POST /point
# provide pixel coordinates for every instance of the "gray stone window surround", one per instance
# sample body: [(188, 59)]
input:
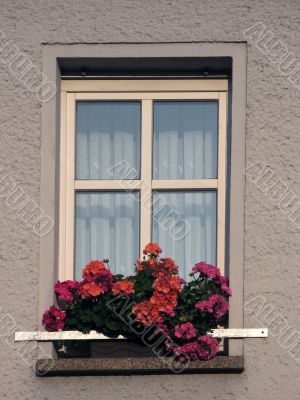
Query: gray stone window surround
[(73, 59)]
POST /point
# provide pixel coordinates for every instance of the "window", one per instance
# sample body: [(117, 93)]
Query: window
[(141, 161)]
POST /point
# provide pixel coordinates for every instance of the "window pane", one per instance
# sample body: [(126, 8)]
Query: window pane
[(184, 225), (107, 226), (185, 139), (108, 140)]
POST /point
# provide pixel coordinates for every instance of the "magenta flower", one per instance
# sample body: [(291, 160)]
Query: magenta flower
[(190, 351), (224, 282), (53, 319), (161, 328), (185, 331), (66, 290), (207, 270), (209, 347), (216, 304), (204, 348)]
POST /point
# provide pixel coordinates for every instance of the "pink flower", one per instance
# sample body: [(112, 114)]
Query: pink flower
[(53, 319), (207, 270), (216, 304), (175, 348), (185, 331), (161, 328), (190, 351), (205, 305), (204, 348), (209, 347), (66, 290), (224, 282)]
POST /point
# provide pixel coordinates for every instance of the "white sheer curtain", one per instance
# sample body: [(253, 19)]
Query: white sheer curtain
[(107, 223), (107, 134), (184, 225), (185, 147), (107, 226), (185, 140)]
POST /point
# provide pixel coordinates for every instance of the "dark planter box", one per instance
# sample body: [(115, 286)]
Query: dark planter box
[(73, 349)]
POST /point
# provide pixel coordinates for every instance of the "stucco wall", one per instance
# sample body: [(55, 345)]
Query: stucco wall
[(272, 136)]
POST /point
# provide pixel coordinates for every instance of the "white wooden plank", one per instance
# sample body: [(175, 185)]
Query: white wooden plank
[(93, 335)]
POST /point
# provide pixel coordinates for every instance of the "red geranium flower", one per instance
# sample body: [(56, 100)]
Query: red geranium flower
[(147, 313), (105, 278), (151, 265), (123, 287), (53, 319), (92, 270), (152, 249), (164, 302), (166, 282), (91, 289), (170, 265)]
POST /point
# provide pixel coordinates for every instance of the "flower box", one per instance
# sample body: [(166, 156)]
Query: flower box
[(117, 357), (154, 307)]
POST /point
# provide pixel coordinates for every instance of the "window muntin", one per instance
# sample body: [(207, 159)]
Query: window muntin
[(146, 185)]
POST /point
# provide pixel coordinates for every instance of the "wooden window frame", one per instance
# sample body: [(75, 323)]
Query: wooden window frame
[(145, 91)]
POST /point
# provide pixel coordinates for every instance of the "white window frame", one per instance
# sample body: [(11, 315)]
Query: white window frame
[(145, 91)]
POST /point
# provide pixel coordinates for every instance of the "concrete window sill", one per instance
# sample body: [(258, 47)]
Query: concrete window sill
[(134, 366)]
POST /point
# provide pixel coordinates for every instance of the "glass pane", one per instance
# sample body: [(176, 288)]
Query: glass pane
[(185, 139), (108, 140), (184, 225), (107, 226)]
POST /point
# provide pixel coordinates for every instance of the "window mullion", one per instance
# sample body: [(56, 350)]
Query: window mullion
[(70, 188), (62, 183), (146, 174), (221, 193)]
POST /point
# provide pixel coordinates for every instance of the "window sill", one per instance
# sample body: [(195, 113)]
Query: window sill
[(134, 366)]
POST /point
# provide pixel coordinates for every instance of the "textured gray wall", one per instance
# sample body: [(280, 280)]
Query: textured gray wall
[(271, 239)]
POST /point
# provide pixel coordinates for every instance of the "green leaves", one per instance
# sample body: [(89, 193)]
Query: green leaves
[(143, 283), (113, 325), (86, 315), (99, 322)]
